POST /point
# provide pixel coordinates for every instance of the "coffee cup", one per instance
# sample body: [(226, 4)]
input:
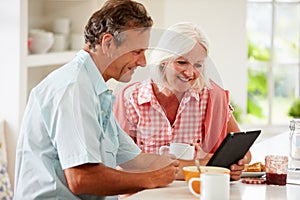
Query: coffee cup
[(213, 186), (61, 42), (62, 25), (180, 150)]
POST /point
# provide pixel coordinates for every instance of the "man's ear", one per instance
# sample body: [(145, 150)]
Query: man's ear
[(106, 42)]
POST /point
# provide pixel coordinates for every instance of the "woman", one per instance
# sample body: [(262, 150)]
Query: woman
[(179, 103)]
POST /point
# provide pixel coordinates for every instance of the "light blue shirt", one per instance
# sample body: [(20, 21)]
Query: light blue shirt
[(68, 121)]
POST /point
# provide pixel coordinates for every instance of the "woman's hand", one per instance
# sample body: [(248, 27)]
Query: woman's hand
[(236, 169)]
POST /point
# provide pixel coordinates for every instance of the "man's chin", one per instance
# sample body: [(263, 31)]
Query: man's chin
[(125, 79)]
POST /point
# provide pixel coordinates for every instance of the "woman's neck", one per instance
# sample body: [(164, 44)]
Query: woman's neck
[(168, 100), (166, 92)]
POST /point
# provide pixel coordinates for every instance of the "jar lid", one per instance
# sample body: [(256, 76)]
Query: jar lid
[(294, 124)]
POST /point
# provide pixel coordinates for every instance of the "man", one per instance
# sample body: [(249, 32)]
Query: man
[(70, 143)]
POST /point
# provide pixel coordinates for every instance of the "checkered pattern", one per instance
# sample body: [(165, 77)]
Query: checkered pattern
[(147, 119), (254, 180)]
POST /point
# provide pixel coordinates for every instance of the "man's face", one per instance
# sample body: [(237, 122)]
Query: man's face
[(128, 56)]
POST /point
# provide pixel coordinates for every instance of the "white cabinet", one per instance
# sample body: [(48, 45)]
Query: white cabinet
[(41, 14)]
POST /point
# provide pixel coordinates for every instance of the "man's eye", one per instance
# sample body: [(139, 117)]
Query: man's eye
[(137, 52), (197, 65)]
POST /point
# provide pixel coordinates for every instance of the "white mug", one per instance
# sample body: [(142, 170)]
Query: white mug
[(61, 42), (62, 25), (212, 186), (180, 150)]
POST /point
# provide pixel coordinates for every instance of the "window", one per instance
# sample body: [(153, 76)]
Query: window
[(273, 31)]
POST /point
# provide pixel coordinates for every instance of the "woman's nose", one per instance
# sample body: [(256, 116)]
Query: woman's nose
[(189, 70)]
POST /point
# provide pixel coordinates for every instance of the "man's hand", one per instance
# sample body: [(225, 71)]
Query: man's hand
[(163, 161)]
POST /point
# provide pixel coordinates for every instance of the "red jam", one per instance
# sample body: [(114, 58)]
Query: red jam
[(276, 179)]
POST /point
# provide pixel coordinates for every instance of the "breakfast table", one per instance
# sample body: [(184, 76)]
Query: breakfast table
[(278, 145)]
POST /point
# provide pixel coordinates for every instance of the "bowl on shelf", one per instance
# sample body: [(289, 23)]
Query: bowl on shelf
[(41, 41)]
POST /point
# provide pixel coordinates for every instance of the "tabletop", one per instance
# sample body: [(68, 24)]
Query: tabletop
[(240, 191)]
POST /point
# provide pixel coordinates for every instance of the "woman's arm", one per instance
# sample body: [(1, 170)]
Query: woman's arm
[(236, 169), (232, 125)]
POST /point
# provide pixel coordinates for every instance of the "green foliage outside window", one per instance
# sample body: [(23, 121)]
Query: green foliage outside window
[(237, 113), (257, 81), (258, 53), (294, 110)]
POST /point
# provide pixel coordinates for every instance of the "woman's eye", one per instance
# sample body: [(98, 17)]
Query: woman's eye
[(182, 62), (197, 65)]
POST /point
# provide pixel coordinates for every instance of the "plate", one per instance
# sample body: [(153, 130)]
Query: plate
[(234, 182), (252, 174)]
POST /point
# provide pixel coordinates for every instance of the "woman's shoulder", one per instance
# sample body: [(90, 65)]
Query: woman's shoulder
[(216, 88), (136, 87)]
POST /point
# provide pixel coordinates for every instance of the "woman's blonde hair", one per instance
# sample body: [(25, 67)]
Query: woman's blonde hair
[(175, 42)]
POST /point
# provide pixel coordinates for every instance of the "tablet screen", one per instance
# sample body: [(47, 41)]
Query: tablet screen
[(233, 148)]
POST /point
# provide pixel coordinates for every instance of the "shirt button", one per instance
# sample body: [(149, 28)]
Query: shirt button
[(101, 112), (198, 141)]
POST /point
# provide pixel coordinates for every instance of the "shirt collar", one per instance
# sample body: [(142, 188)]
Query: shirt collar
[(93, 72), (145, 92)]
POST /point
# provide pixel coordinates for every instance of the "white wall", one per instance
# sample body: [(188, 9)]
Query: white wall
[(10, 80)]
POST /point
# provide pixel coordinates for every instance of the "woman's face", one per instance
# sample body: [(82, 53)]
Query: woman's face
[(182, 73)]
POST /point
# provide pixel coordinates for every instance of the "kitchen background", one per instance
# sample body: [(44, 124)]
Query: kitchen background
[(224, 22)]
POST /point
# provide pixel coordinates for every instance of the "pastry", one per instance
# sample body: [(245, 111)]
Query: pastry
[(255, 167)]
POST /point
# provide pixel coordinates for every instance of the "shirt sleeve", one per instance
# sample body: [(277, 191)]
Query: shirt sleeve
[(75, 128)]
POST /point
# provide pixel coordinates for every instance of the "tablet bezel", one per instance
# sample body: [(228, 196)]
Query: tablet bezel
[(233, 148)]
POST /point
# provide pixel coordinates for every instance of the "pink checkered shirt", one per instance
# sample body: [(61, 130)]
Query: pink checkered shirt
[(151, 126)]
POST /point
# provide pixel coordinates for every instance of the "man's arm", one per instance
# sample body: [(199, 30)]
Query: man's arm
[(97, 179)]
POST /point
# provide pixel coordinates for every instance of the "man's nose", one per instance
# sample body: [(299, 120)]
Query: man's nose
[(141, 61)]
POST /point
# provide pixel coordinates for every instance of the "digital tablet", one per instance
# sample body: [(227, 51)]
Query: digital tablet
[(233, 148)]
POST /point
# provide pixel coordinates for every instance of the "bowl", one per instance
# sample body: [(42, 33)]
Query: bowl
[(41, 41), (192, 172)]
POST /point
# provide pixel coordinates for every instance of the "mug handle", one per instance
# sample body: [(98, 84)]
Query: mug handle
[(191, 186), (162, 149)]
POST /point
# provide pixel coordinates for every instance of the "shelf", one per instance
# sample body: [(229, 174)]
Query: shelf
[(53, 58)]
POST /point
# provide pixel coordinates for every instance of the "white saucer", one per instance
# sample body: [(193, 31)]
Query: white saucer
[(253, 174)]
